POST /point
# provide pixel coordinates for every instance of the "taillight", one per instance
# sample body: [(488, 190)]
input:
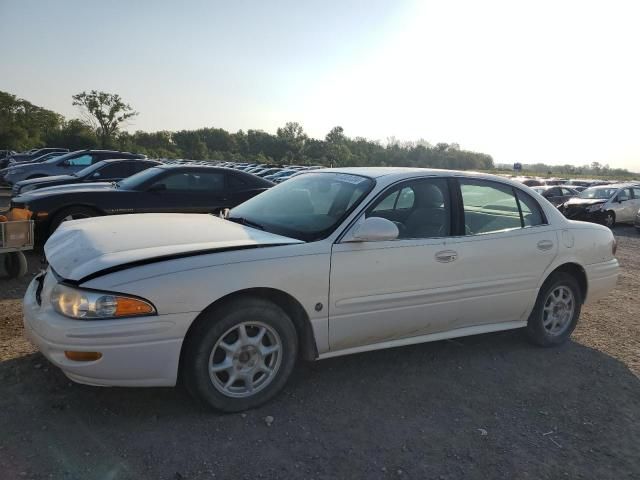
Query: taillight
[(614, 247)]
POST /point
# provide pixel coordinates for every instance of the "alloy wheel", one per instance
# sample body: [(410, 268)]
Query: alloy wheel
[(559, 307), (245, 359)]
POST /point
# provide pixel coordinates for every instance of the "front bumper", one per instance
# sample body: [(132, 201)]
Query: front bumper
[(574, 213), (136, 352)]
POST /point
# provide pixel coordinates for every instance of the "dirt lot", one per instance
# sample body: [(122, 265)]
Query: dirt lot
[(490, 406)]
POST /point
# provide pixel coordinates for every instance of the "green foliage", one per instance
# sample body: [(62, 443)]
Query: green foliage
[(24, 126), (104, 112)]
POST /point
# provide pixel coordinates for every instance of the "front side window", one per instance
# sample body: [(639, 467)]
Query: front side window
[(419, 208), (488, 207), (636, 192), (307, 207)]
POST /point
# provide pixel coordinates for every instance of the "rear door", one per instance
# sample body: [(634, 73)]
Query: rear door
[(624, 205), (186, 192), (500, 259), (239, 189)]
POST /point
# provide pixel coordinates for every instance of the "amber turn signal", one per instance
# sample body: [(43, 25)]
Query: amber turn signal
[(130, 306), (82, 356)]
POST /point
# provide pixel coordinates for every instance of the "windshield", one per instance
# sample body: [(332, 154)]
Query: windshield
[(307, 207), (598, 193), (134, 181)]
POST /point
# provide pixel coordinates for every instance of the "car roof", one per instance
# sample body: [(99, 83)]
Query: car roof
[(113, 160), (398, 173), (617, 185)]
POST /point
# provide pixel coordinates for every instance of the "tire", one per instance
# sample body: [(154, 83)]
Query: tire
[(15, 264), (71, 213), (610, 219), (542, 328), (223, 326)]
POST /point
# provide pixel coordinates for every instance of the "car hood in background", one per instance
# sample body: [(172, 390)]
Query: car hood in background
[(584, 202), (81, 248), (73, 187), (43, 180)]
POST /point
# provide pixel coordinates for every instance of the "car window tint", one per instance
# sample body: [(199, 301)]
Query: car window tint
[(488, 207), (388, 202), (406, 198), (531, 211), (135, 166), (193, 181), (420, 208), (236, 183), (81, 161), (113, 170), (624, 194)]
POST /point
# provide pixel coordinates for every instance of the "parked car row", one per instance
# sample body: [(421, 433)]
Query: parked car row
[(273, 173), (157, 187)]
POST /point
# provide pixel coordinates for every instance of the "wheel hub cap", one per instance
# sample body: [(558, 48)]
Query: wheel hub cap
[(245, 359), (558, 310)]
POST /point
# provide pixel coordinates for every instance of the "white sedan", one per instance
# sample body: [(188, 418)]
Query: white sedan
[(329, 263)]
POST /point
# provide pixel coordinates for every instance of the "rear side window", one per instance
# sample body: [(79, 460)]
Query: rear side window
[(493, 207), (531, 212), (236, 183), (636, 192)]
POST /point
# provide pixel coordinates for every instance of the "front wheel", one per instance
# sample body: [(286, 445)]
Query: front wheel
[(610, 219), (71, 213), (15, 264), (556, 312), (241, 355)]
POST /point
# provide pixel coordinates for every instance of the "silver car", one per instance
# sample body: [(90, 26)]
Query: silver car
[(63, 165), (605, 204)]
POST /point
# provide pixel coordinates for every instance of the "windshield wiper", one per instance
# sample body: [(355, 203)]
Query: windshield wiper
[(244, 221)]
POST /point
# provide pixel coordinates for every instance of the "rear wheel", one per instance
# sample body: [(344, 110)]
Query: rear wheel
[(71, 213), (556, 312), (15, 264), (240, 355)]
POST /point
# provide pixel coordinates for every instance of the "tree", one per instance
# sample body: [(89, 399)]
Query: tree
[(104, 112), (293, 137)]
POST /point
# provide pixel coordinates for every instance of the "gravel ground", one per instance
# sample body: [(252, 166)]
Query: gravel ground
[(489, 406)]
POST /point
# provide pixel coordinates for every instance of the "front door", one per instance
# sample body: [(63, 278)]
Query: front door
[(387, 290)]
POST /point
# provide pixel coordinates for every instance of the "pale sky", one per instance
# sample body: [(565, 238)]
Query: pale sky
[(540, 81)]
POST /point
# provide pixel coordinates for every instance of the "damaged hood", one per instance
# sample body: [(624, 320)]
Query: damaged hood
[(82, 247)]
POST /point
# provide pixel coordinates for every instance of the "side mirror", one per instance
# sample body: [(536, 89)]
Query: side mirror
[(158, 187), (65, 164), (373, 229)]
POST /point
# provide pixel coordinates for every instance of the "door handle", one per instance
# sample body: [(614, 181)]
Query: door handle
[(545, 245), (446, 256)]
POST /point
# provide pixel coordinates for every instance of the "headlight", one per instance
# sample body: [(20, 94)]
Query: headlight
[(595, 208), (84, 304)]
